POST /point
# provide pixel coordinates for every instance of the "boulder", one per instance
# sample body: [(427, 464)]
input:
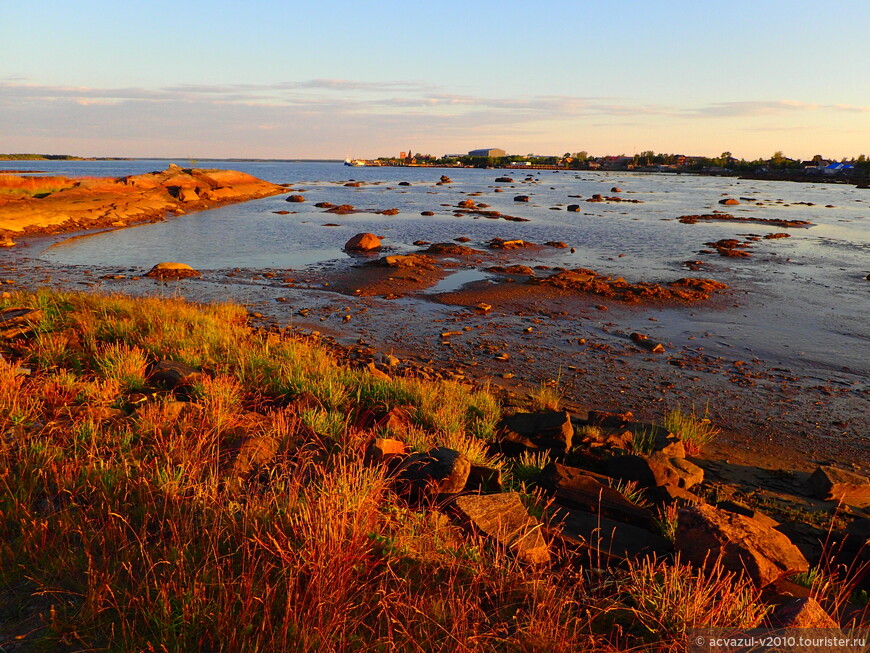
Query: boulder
[(385, 450), (404, 183), (613, 420), (655, 470), (174, 374), (521, 198), (730, 201), (170, 270), (607, 538), (802, 612), (575, 488), (516, 243), (831, 483), (295, 198), (504, 180), (504, 519), (365, 242), (574, 208), (607, 437), (484, 479), (439, 471), (466, 204), (740, 509), (616, 189), (706, 534), (548, 430), (187, 194), (669, 494), (668, 444), (254, 453), (406, 261)]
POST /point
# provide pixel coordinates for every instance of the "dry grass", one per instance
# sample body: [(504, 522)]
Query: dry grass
[(140, 531), (695, 431)]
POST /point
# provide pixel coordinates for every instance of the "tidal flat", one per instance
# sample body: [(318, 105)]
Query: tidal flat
[(780, 357), (321, 440)]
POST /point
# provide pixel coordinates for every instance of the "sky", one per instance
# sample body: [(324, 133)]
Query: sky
[(331, 79)]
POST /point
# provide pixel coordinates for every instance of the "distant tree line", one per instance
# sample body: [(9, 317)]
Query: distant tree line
[(39, 157), (648, 159)]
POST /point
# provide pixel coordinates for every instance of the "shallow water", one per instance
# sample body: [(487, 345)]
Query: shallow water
[(801, 300)]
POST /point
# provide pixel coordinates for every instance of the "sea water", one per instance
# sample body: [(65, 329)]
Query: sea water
[(803, 300)]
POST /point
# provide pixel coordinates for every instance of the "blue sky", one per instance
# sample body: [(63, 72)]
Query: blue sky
[(331, 79)]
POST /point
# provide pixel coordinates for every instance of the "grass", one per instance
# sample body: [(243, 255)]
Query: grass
[(239, 522), (694, 431), (547, 397), (643, 441), (633, 492)]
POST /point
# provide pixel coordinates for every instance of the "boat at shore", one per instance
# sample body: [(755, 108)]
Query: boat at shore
[(356, 163)]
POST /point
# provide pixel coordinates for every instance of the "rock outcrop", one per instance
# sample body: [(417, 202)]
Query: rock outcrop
[(64, 204)]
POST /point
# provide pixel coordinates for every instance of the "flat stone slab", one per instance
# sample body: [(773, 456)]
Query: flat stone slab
[(577, 489), (609, 538), (18, 321), (832, 483), (504, 518), (549, 430)]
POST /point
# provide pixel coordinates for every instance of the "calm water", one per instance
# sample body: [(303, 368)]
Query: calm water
[(803, 299)]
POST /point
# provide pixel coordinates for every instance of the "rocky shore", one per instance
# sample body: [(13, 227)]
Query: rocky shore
[(50, 205), (573, 451)]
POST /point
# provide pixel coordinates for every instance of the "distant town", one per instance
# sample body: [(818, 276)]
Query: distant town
[(777, 166)]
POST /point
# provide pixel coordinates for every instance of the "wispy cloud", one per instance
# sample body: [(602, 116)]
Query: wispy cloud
[(323, 113), (767, 108)]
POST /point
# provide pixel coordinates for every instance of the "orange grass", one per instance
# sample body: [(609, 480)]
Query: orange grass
[(138, 530)]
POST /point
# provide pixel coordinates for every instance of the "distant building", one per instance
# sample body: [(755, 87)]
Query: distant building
[(838, 168), (491, 152)]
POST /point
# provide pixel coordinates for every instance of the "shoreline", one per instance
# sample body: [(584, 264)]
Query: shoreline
[(815, 419), (756, 404)]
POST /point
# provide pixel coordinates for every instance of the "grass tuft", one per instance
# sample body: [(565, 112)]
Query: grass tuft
[(694, 431)]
